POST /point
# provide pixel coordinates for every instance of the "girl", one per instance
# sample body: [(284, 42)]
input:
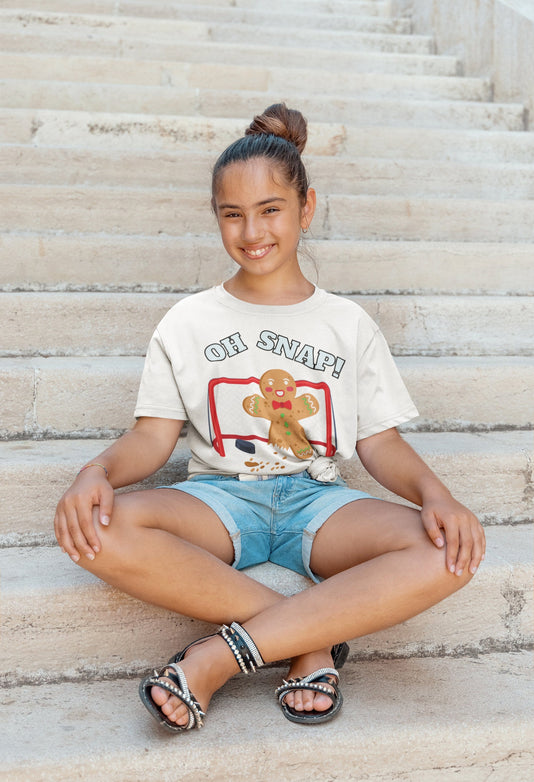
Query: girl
[(275, 377)]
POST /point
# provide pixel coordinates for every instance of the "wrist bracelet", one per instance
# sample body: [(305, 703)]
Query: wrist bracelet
[(93, 464)]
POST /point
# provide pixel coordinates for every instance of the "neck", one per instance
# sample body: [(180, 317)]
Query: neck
[(262, 290)]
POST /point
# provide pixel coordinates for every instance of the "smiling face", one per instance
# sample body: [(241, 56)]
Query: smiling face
[(277, 385), (260, 217)]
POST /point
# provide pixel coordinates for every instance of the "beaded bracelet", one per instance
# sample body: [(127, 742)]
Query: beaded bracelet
[(93, 464)]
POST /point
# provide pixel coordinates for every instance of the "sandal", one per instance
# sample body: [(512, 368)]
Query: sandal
[(172, 678), (315, 682)]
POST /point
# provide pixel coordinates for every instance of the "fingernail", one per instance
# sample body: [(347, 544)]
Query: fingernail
[(104, 520), (439, 542), (96, 549), (62, 549), (452, 568), (90, 555), (459, 572), (473, 569), (75, 557)]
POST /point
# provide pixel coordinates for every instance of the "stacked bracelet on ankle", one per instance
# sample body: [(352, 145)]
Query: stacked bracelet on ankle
[(243, 647)]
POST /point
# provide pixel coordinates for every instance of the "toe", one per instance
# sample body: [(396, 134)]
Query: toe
[(159, 695), (321, 702)]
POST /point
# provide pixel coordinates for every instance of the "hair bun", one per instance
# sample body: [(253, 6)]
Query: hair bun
[(278, 120)]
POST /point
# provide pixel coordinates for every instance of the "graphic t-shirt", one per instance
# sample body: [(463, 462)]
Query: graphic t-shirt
[(268, 389)]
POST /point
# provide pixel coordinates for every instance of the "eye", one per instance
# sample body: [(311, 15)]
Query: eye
[(271, 210), (230, 215), (286, 381)]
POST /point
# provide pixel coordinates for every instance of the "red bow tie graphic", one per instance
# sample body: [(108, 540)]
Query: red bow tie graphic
[(287, 405)]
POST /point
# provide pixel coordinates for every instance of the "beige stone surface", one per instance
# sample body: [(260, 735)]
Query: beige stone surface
[(62, 39), (17, 394), (216, 75), (436, 219), (422, 719), (371, 110)]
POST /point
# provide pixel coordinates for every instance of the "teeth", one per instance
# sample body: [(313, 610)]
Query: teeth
[(257, 253)]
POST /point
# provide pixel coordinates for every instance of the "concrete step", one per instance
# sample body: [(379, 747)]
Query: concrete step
[(215, 75), (23, 38), (371, 110), (349, 18), (21, 164), (156, 211), (127, 132), (62, 620), (490, 472), (106, 262), (480, 708), (369, 37), (95, 397), (362, 7), (56, 324)]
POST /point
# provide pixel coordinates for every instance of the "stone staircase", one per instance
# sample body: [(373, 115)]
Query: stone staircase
[(111, 114)]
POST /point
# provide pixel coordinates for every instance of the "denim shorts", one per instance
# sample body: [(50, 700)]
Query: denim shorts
[(273, 520)]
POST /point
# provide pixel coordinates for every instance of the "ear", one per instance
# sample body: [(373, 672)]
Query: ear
[(308, 210)]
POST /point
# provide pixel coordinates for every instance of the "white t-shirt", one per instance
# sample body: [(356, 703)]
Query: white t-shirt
[(267, 389)]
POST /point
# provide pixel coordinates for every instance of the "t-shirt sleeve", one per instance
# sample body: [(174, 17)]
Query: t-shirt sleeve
[(158, 395), (383, 400)]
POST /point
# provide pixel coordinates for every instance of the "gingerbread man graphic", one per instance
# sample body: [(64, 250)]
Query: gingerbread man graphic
[(280, 405)]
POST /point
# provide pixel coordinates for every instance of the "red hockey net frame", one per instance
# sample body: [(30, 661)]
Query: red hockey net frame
[(218, 436)]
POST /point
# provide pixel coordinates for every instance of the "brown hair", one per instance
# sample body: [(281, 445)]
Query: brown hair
[(278, 135)]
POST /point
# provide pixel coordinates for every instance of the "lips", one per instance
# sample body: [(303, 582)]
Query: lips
[(279, 393), (259, 252)]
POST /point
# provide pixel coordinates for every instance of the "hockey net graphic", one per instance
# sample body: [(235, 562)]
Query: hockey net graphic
[(228, 420)]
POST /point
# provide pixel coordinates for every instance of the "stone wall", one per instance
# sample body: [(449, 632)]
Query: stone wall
[(493, 38)]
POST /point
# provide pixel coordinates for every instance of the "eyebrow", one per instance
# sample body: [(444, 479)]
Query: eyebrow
[(260, 203)]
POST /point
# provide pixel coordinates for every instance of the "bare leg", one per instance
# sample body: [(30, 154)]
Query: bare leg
[(380, 569)]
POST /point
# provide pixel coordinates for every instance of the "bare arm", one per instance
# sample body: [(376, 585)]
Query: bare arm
[(133, 457), (394, 464)]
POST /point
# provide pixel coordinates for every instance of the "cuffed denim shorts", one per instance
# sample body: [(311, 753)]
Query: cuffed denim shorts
[(272, 520)]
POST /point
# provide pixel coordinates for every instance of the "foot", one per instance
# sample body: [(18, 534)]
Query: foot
[(207, 666), (305, 700)]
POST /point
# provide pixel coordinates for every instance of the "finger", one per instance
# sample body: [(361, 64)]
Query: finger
[(433, 530), (87, 525), (65, 539), (464, 552), (107, 498), (453, 545), (477, 554), (78, 537)]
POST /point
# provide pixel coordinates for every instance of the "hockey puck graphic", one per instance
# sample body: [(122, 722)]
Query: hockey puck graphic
[(246, 446)]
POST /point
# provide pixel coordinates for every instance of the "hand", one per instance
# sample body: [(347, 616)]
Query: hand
[(74, 522), (448, 521)]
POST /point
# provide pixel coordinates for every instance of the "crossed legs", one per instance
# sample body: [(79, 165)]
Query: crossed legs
[(378, 563)]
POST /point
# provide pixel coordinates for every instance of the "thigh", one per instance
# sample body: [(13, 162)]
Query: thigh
[(174, 512), (361, 531)]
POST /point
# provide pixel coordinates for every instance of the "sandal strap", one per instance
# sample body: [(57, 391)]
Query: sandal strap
[(314, 682), (178, 686), (242, 647)]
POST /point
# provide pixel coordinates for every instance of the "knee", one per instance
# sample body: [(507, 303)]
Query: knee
[(440, 575)]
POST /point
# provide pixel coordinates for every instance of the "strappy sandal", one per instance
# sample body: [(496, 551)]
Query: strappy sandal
[(316, 683), (172, 678)]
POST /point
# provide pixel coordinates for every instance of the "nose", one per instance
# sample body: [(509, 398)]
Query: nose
[(252, 230)]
